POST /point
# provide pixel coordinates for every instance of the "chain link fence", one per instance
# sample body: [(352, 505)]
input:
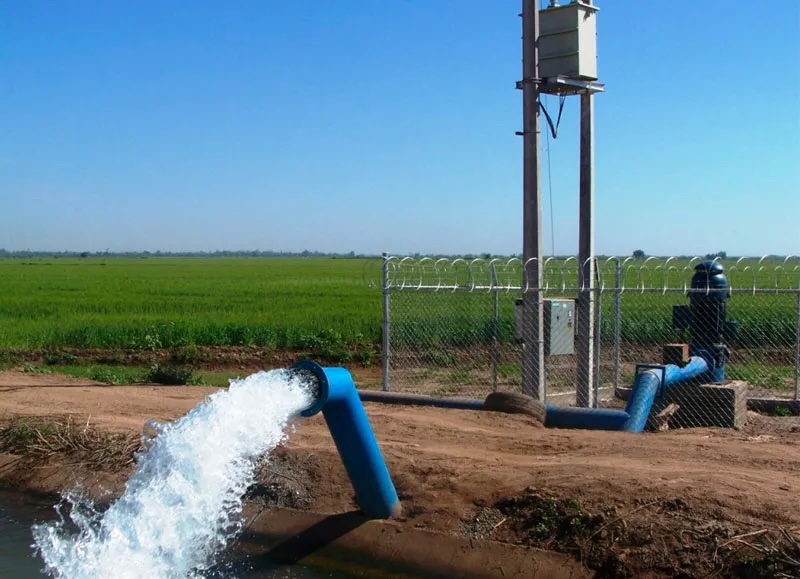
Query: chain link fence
[(452, 328)]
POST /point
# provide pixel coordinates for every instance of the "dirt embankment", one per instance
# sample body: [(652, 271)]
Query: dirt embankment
[(691, 503)]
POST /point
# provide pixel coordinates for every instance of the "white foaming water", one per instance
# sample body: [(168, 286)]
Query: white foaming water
[(183, 503)]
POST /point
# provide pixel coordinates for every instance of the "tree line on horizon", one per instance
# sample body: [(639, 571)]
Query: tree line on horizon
[(638, 254)]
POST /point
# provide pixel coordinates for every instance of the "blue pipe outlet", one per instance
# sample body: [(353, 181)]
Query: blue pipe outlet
[(338, 400)]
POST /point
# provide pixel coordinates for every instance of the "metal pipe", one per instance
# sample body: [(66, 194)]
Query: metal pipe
[(617, 323), (598, 329), (386, 327), (336, 397), (495, 326), (797, 352), (421, 400)]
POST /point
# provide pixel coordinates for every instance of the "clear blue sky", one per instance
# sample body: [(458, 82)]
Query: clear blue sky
[(369, 125)]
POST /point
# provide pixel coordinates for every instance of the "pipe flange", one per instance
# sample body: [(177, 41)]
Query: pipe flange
[(318, 382)]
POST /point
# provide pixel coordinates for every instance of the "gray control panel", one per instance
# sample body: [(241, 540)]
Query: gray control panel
[(559, 326)]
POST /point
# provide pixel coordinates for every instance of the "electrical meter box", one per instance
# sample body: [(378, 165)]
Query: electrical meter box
[(559, 325), (568, 41)]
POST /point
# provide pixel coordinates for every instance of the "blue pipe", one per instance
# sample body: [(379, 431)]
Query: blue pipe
[(634, 417), (647, 384), (584, 418), (338, 400)]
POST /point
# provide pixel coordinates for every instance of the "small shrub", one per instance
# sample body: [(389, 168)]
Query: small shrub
[(365, 357), (103, 374), (782, 411), (31, 369), (336, 353), (8, 359), (20, 437), (327, 344), (543, 519), (150, 341), (173, 375)]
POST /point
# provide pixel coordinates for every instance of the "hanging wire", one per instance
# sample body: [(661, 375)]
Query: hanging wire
[(554, 126), (550, 193)]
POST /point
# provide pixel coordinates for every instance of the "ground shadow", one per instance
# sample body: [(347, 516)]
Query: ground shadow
[(315, 537), (296, 548)]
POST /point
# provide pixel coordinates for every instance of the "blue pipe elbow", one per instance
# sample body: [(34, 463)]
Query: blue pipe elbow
[(338, 400), (647, 386), (643, 395)]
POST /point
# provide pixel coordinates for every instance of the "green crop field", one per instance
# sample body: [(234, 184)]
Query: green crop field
[(302, 303), (163, 302)]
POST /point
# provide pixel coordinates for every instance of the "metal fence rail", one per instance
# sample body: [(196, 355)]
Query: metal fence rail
[(450, 330)]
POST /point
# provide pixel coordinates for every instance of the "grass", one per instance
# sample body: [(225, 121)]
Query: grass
[(318, 304), (508, 371), (114, 375), (173, 375), (321, 305), (106, 374), (760, 375), (122, 375)]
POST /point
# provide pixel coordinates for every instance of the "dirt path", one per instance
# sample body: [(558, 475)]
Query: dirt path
[(647, 504)]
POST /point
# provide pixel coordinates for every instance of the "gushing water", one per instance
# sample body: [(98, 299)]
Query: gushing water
[(183, 503)]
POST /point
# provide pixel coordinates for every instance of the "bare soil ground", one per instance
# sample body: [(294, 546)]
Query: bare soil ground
[(692, 503)]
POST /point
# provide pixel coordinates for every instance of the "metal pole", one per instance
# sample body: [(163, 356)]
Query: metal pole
[(598, 345), (617, 322), (584, 394), (797, 352), (386, 342), (495, 326), (533, 375)]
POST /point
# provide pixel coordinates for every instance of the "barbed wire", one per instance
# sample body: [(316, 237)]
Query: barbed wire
[(670, 274)]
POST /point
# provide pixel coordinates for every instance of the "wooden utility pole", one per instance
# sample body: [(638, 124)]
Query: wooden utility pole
[(533, 377), (585, 347)]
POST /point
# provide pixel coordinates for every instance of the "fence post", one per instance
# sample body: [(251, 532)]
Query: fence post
[(386, 342), (617, 321), (495, 325), (597, 344), (797, 352)]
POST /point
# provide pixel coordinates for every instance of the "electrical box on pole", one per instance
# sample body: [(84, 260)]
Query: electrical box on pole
[(568, 41), (559, 325)]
